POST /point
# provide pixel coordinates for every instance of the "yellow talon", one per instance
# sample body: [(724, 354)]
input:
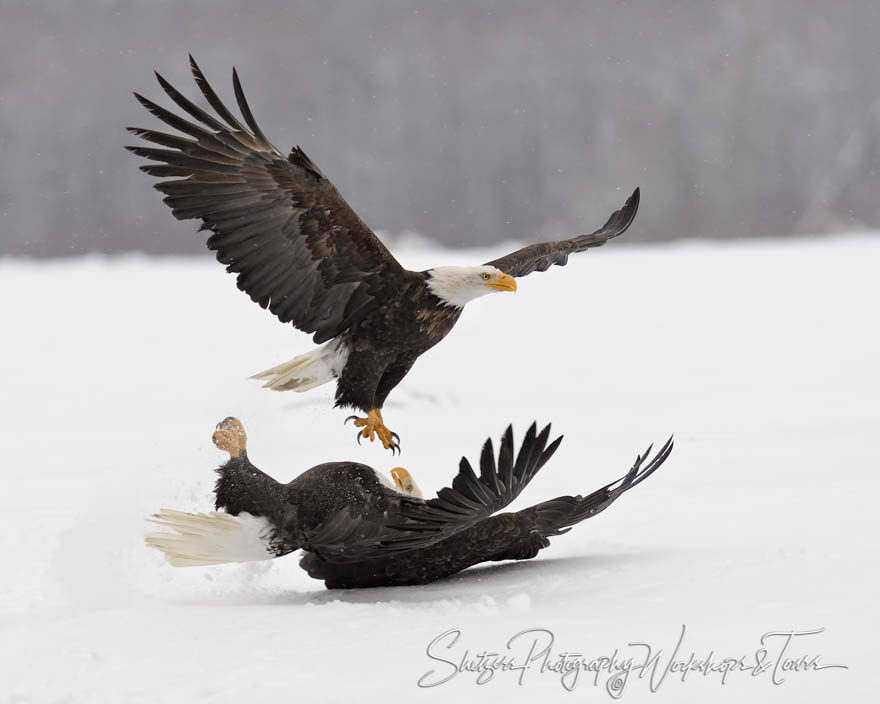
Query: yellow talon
[(373, 425), (230, 436)]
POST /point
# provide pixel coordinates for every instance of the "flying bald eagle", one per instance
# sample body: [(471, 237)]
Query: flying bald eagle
[(360, 529), (299, 250)]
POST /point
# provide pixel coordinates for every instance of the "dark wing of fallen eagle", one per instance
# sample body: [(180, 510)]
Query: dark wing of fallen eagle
[(472, 497), (298, 248), (541, 256), (354, 534), (505, 536)]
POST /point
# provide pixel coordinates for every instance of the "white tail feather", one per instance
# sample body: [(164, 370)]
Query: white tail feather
[(211, 538), (308, 370)]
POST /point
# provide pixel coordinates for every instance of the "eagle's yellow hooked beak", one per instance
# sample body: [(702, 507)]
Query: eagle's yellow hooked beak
[(400, 477), (504, 282)]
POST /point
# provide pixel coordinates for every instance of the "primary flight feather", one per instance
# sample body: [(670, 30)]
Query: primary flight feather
[(299, 250)]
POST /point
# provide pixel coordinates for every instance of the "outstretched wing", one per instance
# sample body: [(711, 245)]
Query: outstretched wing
[(374, 528), (504, 536), (278, 223), (472, 498), (540, 257), (557, 516)]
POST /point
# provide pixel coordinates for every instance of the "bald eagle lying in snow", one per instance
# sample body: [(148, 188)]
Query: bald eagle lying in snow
[(360, 529), (299, 250)]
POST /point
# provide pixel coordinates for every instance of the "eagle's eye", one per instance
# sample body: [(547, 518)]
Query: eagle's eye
[(485, 276)]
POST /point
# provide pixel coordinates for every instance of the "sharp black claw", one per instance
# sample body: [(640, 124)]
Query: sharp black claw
[(220, 425), (396, 438), (358, 436), (213, 439), (348, 419)]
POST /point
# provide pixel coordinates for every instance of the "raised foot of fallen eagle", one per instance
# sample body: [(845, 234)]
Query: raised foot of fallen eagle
[(230, 436), (372, 427)]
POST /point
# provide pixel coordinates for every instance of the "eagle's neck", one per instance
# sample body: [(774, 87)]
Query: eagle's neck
[(456, 285)]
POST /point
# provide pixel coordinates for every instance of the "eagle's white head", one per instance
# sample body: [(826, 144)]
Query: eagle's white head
[(457, 285)]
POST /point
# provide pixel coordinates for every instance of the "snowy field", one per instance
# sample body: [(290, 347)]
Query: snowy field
[(761, 357)]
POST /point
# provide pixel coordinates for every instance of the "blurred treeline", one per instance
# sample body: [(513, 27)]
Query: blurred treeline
[(469, 122)]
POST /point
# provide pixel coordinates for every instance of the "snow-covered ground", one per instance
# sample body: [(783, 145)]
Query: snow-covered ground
[(762, 358)]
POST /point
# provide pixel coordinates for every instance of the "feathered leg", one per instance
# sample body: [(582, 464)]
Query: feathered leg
[(254, 505), (241, 486), (358, 387)]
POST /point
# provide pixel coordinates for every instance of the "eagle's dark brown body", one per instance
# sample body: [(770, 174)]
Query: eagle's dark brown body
[(301, 512), (358, 532), (388, 341), (506, 536)]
